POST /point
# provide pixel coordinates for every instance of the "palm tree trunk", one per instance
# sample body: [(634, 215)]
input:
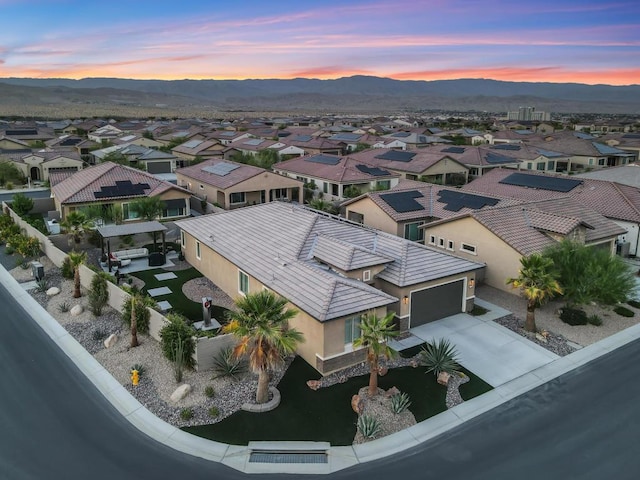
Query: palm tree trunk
[(262, 394), (76, 282), (373, 375), (134, 324), (530, 322)]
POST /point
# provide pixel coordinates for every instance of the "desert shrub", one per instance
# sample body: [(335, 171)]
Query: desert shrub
[(64, 307), (42, 285), (8, 185), (623, 311), (213, 412), (594, 320), (226, 364), (139, 367), (99, 334), (21, 204), (573, 316), (177, 335), (98, 293), (634, 303), (142, 312), (186, 413), (368, 426), (478, 310), (67, 269), (209, 392), (439, 357), (400, 402)]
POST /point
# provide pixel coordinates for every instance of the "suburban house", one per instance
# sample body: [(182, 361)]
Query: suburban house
[(153, 161), (405, 208), (532, 157), (337, 177), (41, 164), (313, 145), (477, 159), (233, 185), (619, 203), (110, 184), (417, 165), (415, 140), (195, 148), (501, 235), (330, 270)]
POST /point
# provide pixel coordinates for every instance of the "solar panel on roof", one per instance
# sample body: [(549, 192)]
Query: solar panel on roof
[(457, 200), (494, 158), (375, 171), (324, 159), (403, 202), (506, 146), (122, 188), (221, 169), (396, 156), (227, 134), (303, 138), (542, 182), (631, 135), (347, 137), (453, 150), (401, 134), (192, 143), (21, 132), (253, 141)]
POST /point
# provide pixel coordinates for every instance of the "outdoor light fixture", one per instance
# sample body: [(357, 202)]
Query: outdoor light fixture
[(472, 282), (405, 300)]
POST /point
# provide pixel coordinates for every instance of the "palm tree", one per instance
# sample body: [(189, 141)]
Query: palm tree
[(76, 224), (375, 331), (76, 259), (262, 325), (538, 283)]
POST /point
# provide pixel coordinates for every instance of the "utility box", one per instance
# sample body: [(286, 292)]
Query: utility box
[(37, 270)]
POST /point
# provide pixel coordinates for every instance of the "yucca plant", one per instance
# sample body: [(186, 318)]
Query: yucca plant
[(400, 402), (440, 356), (42, 285), (368, 426)]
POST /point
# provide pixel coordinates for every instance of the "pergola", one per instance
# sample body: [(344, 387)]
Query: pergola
[(110, 231)]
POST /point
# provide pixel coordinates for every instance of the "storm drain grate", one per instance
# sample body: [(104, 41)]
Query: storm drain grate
[(258, 456)]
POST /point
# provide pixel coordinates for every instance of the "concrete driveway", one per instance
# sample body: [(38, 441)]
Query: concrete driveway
[(494, 353)]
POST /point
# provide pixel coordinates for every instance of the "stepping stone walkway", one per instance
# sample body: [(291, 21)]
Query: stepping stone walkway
[(164, 306), (156, 292), (165, 276)]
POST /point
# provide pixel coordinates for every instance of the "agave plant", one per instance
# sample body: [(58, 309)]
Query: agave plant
[(226, 364), (400, 402), (368, 426), (440, 356)]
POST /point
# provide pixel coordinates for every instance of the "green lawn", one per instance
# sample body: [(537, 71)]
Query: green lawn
[(326, 414), (181, 304)]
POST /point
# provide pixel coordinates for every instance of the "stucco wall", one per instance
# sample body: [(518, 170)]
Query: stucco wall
[(373, 215)]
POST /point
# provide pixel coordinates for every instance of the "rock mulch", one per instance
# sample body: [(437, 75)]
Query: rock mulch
[(553, 342)]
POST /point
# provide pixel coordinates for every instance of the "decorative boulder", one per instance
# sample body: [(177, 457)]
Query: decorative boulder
[(180, 392), (76, 310), (391, 392), (357, 404), (541, 338), (313, 384), (382, 371), (110, 341), (414, 363), (443, 378), (53, 291)]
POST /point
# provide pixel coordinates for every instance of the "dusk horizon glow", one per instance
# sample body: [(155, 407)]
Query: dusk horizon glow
[(566, 41)]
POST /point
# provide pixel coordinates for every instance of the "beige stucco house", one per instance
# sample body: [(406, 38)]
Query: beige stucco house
[(331, 272), (233, 185)]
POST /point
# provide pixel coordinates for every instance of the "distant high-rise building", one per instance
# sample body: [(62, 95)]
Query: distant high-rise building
[(529, 114)]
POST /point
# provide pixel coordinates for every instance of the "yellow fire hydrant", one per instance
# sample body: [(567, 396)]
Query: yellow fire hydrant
[(135, 377)]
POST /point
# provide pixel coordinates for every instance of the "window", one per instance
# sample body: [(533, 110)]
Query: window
[(335, 189), (450, 245), (441, 242), (465, 247), (432, 239), (413, 232), (243, 282), (591, 161), (182, 239), (237, 197), (366, 275), (551, 165), (280, 194), (325, 187), (383, 184), (198, 252), (355, 216), (601, 161), (540, 166), (128, 213), (351, 329), (529, 165)]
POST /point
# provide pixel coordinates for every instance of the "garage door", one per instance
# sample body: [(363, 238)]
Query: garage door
[(159, 167), (435, 303)]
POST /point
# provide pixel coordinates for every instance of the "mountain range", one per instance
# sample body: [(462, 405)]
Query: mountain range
[(357, 94)]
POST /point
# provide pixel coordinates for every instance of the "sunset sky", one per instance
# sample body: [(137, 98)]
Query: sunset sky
[(581, 41)]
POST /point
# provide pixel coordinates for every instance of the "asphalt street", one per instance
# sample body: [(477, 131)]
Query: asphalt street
[(54, 424)]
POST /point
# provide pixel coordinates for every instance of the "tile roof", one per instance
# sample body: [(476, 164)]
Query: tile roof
[(275, 243), (344, 255), (334, 168), (421, 160), (239, 174), (83, 184)]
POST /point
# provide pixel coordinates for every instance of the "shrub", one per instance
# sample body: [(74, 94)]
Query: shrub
[(209, 392), (64, 307), (594, 320), (624, 311), (174, 334), (21, 204), (478, 310), (8, 186), (214, 412), (573, 316), (439, 357), (142, 313), (98, 293), (400, 402), (186, 413), (98, 334), (634, 303), (67, 269), (178, 362), (368, 426), (226, 364), (139, 367), (23, 263), (42, 285)]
